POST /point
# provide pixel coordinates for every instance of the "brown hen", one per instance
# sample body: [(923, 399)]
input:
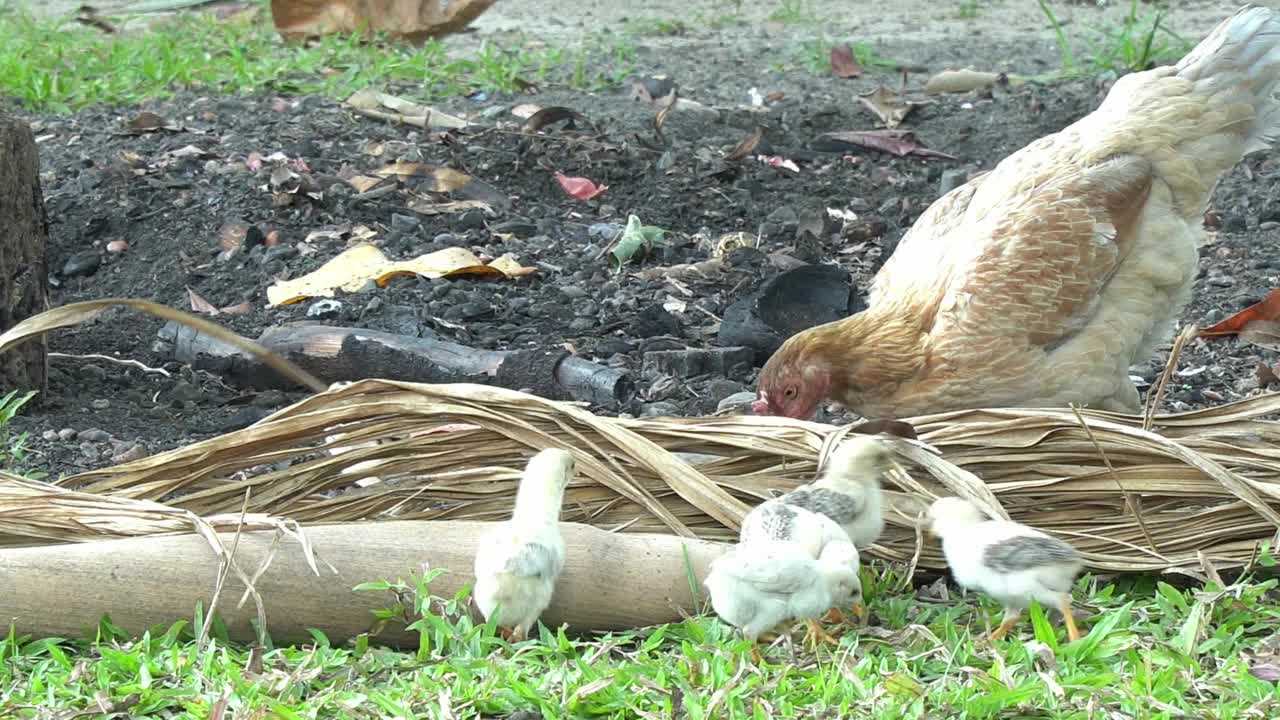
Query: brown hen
[(1041, 282)]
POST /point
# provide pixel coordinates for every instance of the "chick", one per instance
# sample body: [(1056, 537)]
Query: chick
[(758, 587), (776, 520), (1007, 560), (848, 491), (518, 562)]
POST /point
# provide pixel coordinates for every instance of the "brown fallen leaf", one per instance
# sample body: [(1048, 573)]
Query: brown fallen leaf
[(746, 146), (888, 105), (1258, 324), (146, 121), (413, 20), (1267, 374), (843, 64), (550, 115), (199, 304), (894, 142)]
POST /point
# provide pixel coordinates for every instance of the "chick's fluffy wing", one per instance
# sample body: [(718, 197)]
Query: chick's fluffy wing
[(518, 556), (777, 573)]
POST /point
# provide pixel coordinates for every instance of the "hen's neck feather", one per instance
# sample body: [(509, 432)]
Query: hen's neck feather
[(873, 347)]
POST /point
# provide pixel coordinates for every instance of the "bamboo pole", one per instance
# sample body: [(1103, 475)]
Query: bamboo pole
[(612, 581)]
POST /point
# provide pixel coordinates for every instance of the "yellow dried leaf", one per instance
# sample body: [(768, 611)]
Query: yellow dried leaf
[(355, 267)]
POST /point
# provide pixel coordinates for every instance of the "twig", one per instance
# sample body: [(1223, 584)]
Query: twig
[(1157, 392), (226, 562), (108, 358), (1128, 499)]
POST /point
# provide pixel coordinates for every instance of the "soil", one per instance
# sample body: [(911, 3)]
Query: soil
[(104, 183)]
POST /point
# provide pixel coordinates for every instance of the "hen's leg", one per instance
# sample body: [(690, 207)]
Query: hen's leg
[(506, 633), (1072, 633), (1010, 617)]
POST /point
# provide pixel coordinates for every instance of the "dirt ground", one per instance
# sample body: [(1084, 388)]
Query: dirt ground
[(103, 183)]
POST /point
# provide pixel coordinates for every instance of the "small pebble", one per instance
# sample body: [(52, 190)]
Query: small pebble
[(94, 435), (67, 434), (101, 404)]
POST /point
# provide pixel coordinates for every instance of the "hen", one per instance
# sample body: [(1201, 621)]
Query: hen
[(1040, 282), (518, 562)]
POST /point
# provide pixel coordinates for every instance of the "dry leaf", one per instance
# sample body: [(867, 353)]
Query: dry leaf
[(1267, 374), (146, 121), (888, 105), (579, 187), (354, 268), (199, 304), (550, 115), (412, 20), (382, 106), (843, 64), (894, 142), (962, 81), (424, 206), (364, 183), (1259, 323), (746, 146)]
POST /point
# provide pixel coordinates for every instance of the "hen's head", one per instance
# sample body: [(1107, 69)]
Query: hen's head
[(792, 383)]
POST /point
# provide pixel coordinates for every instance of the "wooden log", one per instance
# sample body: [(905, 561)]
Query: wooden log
[(24, 272), (340, 353), (612, 581)]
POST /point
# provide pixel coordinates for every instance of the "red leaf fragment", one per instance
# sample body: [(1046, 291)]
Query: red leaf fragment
[(843, 64), (579, 187), (1266, 311), (1267, 374)]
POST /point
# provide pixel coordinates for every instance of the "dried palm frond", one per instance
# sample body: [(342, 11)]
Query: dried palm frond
[(1203, 484)]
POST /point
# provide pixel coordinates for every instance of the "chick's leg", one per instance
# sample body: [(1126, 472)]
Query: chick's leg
[(1010, 617), (1072, 633), (815, 635)]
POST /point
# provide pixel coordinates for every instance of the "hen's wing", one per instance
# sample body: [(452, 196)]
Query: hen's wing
[(927, 242), (1034, 278)]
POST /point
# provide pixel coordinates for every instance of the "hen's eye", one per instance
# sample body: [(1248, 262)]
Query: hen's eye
[(789, 392)]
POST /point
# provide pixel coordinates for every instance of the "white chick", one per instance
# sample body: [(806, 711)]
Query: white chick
[(758, 587), (518, 562), (848, 491), (1007, 560)]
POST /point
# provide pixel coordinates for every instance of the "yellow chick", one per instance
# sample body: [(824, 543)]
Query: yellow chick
[(758, 587), (518, 562), (1009, 561)]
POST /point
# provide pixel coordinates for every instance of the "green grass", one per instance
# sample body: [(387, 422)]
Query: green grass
[(1152, 651), (13, 448), (1137, 43), (56, 65)]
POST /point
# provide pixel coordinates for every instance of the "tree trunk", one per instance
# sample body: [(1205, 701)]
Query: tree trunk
[(24, 272)]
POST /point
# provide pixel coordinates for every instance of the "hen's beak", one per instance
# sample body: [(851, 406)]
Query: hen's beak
[(760, 406)]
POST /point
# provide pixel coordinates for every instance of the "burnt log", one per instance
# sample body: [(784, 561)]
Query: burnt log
[(24, 272), (335, 354)]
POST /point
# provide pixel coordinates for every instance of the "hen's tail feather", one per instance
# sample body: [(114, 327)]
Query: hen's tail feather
[(1239, 61)]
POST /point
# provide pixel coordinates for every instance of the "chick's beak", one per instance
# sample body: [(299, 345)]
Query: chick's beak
[(860, 612)]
